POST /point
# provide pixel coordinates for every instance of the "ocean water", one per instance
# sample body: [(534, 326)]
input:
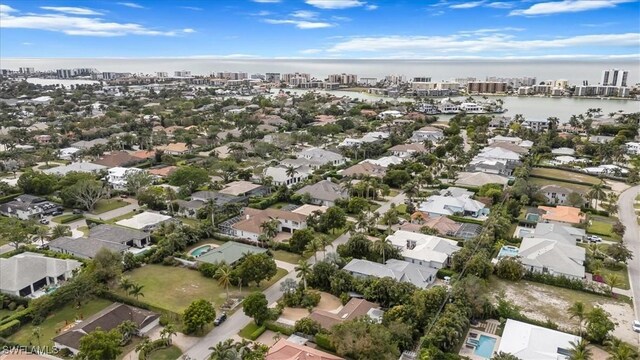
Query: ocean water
[(574, 71)]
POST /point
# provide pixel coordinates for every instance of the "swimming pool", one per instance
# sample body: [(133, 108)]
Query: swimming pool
[(485, 346), (508, 250), (533, 217), (200, 250)]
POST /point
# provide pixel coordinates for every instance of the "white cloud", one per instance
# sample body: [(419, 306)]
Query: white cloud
[(74, 24), (371, 7), (27, 43), (304, 14), (194, 8), (310, 51), (131, 5), (267, 1), (188, 30), (335, 4), (71, 10), (6, 9), (467, 5), (301, 24), (481, 42), (262, 13), (567, 6), (500, 5)]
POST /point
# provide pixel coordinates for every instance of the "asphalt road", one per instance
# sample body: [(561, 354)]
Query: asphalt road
[(239, 320), (631, 238)]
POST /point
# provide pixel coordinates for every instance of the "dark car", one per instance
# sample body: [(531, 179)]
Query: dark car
[(57, 212), (77, 211), (220, 319)]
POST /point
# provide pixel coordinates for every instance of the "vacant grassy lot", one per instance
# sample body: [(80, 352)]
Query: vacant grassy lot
[(539, 182), (170, 353), (105, 205), (601, 225), (286, 256), (56, 321), (564, 175), (174, 288)]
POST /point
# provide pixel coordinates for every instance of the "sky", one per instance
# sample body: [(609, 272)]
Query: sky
[(322, 29)]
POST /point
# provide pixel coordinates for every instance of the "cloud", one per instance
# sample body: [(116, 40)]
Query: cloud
[(27, 43), (371, 7), (194, 8), (301, 24), (188, 31), (131, 5), (567, 6), (267, 1), (71, 10), (262, 13), (310, 51), (75, 24), (467, 5), (335, 4), (603, 24), (304, 14), (500, 5), (485, 41)]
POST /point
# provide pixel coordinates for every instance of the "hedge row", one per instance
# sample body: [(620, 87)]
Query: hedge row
[(93, 222), (70, 218), (256, 334), (282, 329), (595, 211), (564, 282), (445, 272), (7, 198), (324, 342), (9, 328)]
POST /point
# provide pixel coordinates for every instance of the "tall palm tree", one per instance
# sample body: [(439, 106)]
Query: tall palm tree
[(597, 192), (42, 233), (579, 350), (223, 350), (291, 171), (303, 270), (224, 277), (127, 329), (312, 248), (125, 284), (578, 310), (620, 350), (612, 280), (136, 291), (170, 196), (325, 241), (168, 332), (382, 247), (270, 228)]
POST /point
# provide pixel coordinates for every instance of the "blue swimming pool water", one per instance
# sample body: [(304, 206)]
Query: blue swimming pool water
[(533, 217), (507, 250), (201, 250), (485, 346)]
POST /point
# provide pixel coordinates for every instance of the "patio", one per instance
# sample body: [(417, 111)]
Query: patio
[(481, 341)]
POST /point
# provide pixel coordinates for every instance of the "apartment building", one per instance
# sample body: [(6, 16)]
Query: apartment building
[(486, 87), (614, 77), (343, 79)]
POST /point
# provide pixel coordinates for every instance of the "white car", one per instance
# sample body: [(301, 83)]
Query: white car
[(593, 238), (636, 326)]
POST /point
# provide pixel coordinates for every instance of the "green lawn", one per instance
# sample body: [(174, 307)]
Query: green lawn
[(582, 189), (286, 256), (248, 330), (57, 321), (185, 286), (61, 218), (170, 353), (565, 175), (105, 205), (84, 229), (624, 275), (122, 217), (601, 225)]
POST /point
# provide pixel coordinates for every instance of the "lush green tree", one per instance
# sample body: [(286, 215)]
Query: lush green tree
[(579, 312), (255, 306), (357, 247), (509, 268), (575, 199), (60, 231), (137, 180), (620, 350), (256, 267), (100, 344), (154, 197), (197, 315), (300, 239), (619, 252), (84, 194), (321, 274), (333, 218), (389, 292), (127, 329), (307, 326), (396, 178), (357, 205), (579, 350), (303, 270), (480, 265), (37, 183), (107, 265), (189, 176), (224, 275), (598, 325), (362, 339), (17, 232)]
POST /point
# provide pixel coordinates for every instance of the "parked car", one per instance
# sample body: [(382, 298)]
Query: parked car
[(636, 326), (77, 211), (594, 238), (124, 196), (220, 319), (56, 213), (44, 221)]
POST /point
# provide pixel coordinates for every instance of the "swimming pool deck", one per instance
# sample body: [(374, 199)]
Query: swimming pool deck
[(490, 328)]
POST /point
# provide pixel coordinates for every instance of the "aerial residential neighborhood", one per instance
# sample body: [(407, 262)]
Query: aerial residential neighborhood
[(281, 211)]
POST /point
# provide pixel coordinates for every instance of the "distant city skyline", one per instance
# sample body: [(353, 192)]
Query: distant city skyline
[(323, 29)]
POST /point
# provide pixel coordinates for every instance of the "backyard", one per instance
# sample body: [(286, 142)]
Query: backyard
[(565, 175), (56, 321), (186, 286), (542, 302)]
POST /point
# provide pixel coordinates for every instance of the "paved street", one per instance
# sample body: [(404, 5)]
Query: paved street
[(238, 320), (632, 240)]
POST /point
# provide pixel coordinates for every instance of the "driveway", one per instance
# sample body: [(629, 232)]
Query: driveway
[(631, 238), (133, 205)]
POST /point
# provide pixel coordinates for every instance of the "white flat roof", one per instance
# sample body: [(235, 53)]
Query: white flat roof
[(531, 342), (142, 220)]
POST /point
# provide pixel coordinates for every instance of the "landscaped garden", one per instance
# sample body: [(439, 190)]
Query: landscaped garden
[(174, 289), (58, 320)]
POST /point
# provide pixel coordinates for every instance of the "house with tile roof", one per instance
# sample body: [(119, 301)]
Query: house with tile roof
[(563, 214), (355, 308), (408, 150), (287, 350), (324, 193), (364, 168), (399, 270), (249, 224), (117, 159)]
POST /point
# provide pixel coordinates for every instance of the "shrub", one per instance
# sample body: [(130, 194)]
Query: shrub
[(70, 218), (9, 328), (307, 326), (445, 272), (256, 334), (324, 342), (279, 328)]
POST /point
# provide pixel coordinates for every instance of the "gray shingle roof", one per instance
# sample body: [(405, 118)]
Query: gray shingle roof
[(86, 247), (399, 270), (22, 270), (117, 234), (324, 190)]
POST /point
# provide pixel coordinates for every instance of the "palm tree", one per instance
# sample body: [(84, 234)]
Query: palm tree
[(144, 345), (578, 310), (579, 350), (168, 332), (597, 192), (37, 334), (312, 248), (125, 284), (136, 291), (620, 350), (270, 228), (170, 196), (291, 171), (127, 329), (223, 351), (42, 233), (381, 247), (303, 271), (59, 231), (612, 280), (325, 241), (224, 277)]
